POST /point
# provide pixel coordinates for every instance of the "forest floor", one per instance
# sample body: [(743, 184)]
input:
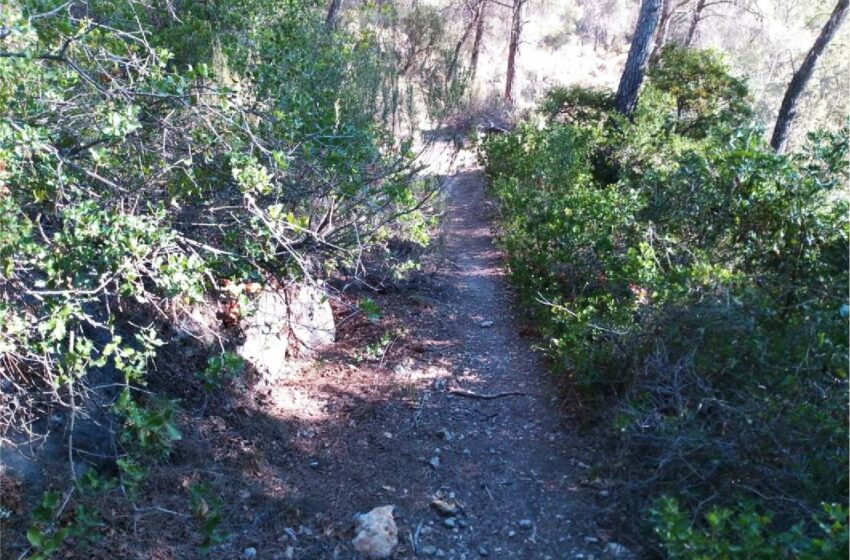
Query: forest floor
[(401, 424)]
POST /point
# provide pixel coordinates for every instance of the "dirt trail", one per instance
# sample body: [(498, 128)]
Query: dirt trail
[(362, 428), (515, 470), (517, 463)]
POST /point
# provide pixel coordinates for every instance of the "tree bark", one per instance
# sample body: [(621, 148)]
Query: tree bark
[(333, 12), (788, 110), (669, 11), (466, 33), (513, 48), (476, 42), (663, 26), (695, 19), (633, 73)]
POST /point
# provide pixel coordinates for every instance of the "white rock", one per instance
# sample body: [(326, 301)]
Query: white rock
[(281, 323), (616, 551), (311, 319), (266, 335), (376, 533)]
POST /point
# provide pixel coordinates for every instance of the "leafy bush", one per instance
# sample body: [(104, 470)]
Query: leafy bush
[(729, 535), (238, 140), (692, 280), (576, 104), (152, 155), (704, 92)]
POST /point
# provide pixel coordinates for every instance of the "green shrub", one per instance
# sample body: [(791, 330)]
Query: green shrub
[(693, 281), (748, 534), (704, 92)]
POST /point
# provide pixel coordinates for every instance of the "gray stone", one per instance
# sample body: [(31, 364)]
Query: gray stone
[(483, 551), (451, 522), (428, 550), (616, 551), (526, 523), (445, 435), (249, 553)]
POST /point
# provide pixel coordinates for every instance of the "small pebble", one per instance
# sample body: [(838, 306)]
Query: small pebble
[(525, 523), (451, 522), (429, 550), (445, 435), (249, 553), (482, 551)]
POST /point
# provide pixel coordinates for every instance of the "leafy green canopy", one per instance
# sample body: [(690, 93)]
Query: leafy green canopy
[(696, 282)]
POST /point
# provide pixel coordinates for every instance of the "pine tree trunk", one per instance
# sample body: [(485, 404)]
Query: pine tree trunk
[(663, 27), (513, 48), (788, 110), (632, 78)]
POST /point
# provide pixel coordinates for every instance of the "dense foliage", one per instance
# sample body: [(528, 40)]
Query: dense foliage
[(158, 155), (695, 282)]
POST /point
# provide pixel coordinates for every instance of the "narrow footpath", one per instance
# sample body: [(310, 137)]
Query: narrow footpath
[(442, 409)]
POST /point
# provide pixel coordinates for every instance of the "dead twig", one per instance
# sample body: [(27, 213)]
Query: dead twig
[(471, 395)]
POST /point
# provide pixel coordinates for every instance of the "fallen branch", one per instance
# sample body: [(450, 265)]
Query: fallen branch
[(471, 395)]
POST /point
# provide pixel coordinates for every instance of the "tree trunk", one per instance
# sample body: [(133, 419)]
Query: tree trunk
[(669, 11), (333, 12), (633, 73), (466, 33), (663, 27), (476, 42), (513, 47), (695, 19), (788, 110)]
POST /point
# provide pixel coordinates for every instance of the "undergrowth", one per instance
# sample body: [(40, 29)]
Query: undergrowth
[(157, 158), (693, 286)]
